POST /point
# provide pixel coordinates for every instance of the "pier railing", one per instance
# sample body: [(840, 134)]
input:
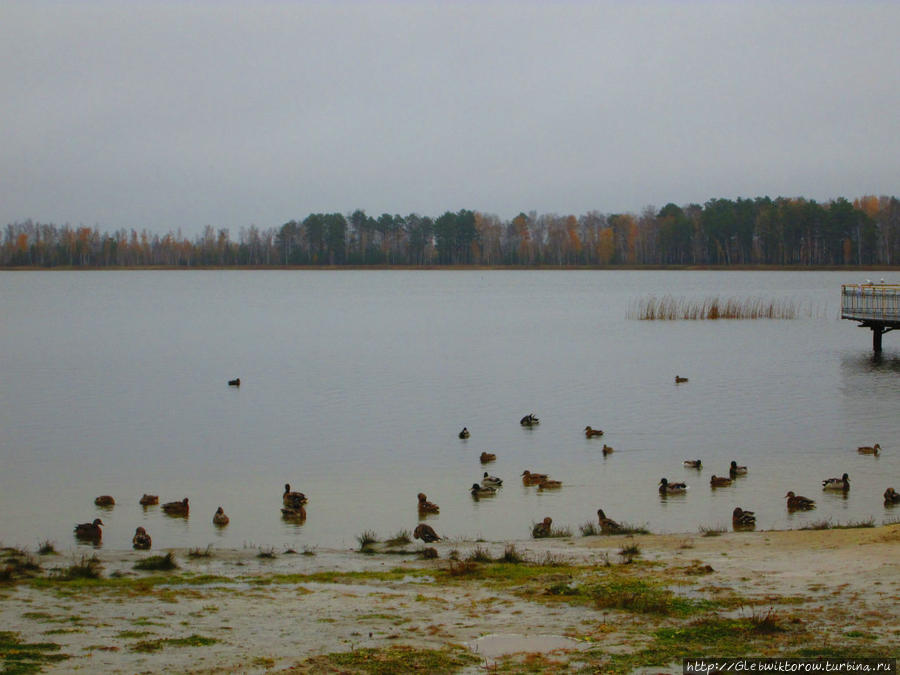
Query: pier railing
[(871, 302)]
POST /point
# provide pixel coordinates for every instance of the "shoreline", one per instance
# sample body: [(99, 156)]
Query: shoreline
[(455, 268), (829, 592)]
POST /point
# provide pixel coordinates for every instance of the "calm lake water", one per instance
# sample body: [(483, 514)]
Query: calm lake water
[(355, 384)]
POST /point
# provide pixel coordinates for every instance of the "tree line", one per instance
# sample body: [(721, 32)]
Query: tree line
[(760, 231)]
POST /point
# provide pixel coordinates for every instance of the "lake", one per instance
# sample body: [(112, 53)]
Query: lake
[(355, 384)]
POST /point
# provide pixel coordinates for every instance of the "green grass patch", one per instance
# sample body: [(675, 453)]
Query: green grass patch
[(396, 659), (399, 539), (157, 563), (26, 657), (146, 646)]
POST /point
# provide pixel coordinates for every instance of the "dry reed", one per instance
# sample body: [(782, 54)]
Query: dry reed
[(669, 308)]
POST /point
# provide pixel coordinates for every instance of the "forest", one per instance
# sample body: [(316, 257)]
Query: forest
[(721, 232)]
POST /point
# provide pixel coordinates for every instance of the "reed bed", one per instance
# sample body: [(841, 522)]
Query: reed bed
[(669, 308)]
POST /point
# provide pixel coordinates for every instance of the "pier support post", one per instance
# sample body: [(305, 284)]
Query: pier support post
[(877, 332)]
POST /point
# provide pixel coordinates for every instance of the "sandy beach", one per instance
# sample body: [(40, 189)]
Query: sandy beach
[(578, 604)]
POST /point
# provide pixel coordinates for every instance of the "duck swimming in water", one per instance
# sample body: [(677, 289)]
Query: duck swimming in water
[(693, 464), (607, 449), (181, 508), (235, 382), (220, 519), (426, 506), (842, 483), (719, 481), (141, 540), (529, 420), (548, 484), (89, 531), (488, 457), (679, 380), (292, 499), (464, 433), (542, 529), (869, 449), (799, 503), (667, 488), (590, 433), (529, 478), (734, 470), (482, 490), (492, 481), (741, 519), (105, 500), (148, 500), (891, 497)]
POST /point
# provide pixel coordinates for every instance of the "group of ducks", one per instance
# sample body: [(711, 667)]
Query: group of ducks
[(92, 531)]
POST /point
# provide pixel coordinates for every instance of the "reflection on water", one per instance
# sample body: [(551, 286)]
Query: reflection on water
[(354, 386)]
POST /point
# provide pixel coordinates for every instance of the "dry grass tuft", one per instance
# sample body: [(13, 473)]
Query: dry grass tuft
[(669, 308)]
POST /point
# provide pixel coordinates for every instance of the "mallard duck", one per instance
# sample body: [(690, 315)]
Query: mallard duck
[(842, 483), (141, 540), (488, 457), (590, 433), (891, 497), (529, 478), (679, 379), (219, 518), (719, 481), (542, 529), (464, 433), (798, 503), (493, 481), (667, 488), (736, 470), (529, 420), (294, 512), (607, 525), (105, 500), (482, 490), (148, 500), (693, 464), (742, 519), (548, 484), (426, 506), (89, 531), (869, 449), (292, 499), (177, 508), (607, 450), (235, 382), (426, 533)]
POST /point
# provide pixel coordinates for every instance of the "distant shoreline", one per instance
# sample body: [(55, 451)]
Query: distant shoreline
[(457, 268)]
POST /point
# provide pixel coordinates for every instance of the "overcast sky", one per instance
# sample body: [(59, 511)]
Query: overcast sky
[(167, 115)]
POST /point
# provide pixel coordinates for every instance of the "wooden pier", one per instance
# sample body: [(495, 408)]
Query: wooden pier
[(875, 306)]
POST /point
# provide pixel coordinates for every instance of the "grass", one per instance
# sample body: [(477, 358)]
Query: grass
[(589, 529), (669, 308), (394, 659), (200, 553), (86, 568), (828, 525), (157, 563), (479, 554), (146, 646), (18, 564), (511, 555), (46, 547), (26, 657), (367, 541), (266, 554), (629, 552), (712, 530), (399, 539)]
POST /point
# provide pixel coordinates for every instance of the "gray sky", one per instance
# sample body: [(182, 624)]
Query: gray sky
[(163, 115)]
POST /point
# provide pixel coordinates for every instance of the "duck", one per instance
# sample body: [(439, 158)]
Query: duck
[(464, 433), (488, 457), (798, 503), (891, 496), (219, 518), (483, 490), (181, 508), (742, 519), (667, 488), (148, 500), (607, 450), (141, 540), (426, 506), (679, 379), (719, 481), (693, 464), (529, 478), (869, 449), (542, 529), (89, 531), (548, 484), (292, 499), (590, 433), (236, 382), (607, 525), (842, 483), (426, 533), (105, 500), (529, 420), (491, 480), (294, 512), (736, 470)]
